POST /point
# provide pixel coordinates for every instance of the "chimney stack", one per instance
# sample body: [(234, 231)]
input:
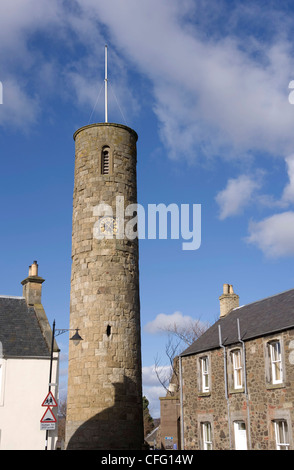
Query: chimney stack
[(228, 300), (32, 285)]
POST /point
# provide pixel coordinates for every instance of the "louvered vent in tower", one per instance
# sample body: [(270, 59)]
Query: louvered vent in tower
[(105, 161)]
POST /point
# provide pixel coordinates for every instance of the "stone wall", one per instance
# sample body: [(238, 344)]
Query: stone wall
[(170, 423), (104, 386), (264, 403)]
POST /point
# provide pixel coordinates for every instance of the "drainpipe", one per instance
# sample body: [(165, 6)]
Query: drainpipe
[(181, 405), (245, 382), (226, 382)]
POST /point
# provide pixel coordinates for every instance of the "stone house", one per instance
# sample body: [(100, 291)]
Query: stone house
[(25, 352), (237, 379)]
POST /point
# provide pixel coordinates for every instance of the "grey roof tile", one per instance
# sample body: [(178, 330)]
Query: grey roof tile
[(20, 333)]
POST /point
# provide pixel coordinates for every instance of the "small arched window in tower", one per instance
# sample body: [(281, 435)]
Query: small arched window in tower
[(105, 161)]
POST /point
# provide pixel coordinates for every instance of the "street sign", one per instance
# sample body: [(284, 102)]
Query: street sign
[(48, 417), (47, 426), (49, 400)]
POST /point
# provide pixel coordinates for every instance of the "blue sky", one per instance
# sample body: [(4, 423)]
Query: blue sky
[(205, 86)]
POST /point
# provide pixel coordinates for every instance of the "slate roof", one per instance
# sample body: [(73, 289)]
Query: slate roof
[(261, 318), (20, 333), (151, 437)]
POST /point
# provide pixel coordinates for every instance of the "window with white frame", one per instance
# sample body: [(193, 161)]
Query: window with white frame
[(275, 357), (206, 436), (281, 434), (204, 369), (237, 368)]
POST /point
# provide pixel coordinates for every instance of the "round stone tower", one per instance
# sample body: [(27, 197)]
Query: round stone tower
[(104, 405)]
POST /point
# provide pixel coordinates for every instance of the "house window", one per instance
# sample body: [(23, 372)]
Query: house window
[(105, 161), (275, 362), (237, 368), (206, 436), (204, 368), (281, 434)]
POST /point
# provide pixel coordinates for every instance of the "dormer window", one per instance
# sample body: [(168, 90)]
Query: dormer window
[(105, 161)]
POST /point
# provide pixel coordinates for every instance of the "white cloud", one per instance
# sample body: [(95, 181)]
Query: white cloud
[(236, 196), (152, 394), (152, 388), (225, 95), (210, 95), (163, 321), (274, 235), (19, 19), (23, 64), (18, 107), (149, 376), (288, 194)]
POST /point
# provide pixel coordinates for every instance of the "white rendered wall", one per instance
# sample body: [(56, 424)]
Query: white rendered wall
[(23, 388)]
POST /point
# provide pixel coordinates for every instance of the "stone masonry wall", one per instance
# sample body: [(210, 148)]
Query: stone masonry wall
[(104, 386), (169, 423), (265, 403)]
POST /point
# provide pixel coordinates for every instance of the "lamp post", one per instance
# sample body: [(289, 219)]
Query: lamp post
[(76, 338)]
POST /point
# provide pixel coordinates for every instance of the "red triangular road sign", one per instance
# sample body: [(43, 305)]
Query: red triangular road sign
[(49, 400), (48, 417)]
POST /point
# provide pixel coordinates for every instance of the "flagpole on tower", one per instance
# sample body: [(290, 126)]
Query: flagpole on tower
[(106, 96)]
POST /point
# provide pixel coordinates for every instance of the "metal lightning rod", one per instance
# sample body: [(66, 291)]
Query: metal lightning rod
[(106, 95)]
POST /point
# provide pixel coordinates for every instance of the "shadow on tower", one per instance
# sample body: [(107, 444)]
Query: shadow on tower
[(119, 427)]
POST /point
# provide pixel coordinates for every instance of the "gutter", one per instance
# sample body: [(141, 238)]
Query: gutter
[(226, 382), (245, 382), (181, 405), (6, 356)]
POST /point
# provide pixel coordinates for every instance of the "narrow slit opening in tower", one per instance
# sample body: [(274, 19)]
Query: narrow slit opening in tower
[(108, 330), (105, 161)]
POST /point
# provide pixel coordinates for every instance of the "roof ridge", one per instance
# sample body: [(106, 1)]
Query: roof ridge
[(11, 297), (262, 300)]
